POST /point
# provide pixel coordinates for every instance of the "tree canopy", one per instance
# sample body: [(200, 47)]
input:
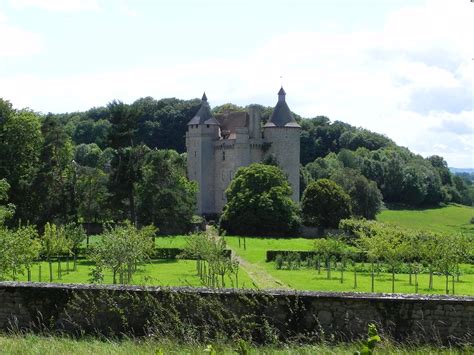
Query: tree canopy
[(324, 204), (259, 202)]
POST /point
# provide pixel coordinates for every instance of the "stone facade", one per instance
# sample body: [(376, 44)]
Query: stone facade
[(218, 145)]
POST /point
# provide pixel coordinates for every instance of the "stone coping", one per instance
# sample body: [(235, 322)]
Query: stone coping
[(271, 292)]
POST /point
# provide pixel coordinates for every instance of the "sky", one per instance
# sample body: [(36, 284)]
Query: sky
[(403, 68)]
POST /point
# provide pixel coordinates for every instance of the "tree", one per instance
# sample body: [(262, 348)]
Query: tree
[(54, 182), (18, 250), (414, 188), (91, 194), (325, 203), (259, 203), (387, 244), (165, 197), (125, 165), (54, 243), (121, 250), (366, 198), (211, 260), (75, 235), (6, 210), (123, 178), (20, 147), (328, 249)]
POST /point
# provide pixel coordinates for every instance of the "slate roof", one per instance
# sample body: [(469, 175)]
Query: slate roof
[(204, 115), (282, 116)]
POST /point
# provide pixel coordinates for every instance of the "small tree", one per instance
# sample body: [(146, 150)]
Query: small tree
[(431, 252), (387, 245), (121, 250), (212, 265), (75, 234), (18, 250), (329, 248), (325, 203), (54, 243)]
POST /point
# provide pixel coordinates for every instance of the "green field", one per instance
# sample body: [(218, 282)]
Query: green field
[(157, 273), (309, 279), (448, 219), (255, 272)]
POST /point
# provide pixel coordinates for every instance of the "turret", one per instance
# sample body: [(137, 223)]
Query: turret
[(282, 134), (203, 130)]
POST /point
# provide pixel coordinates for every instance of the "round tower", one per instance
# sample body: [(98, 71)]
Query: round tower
[(203, 130), (282, 136)]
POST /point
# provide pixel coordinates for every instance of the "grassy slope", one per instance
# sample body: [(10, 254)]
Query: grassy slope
[(452, 218)]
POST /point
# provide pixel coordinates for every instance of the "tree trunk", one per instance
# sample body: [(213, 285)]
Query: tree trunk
[(447, 283), (60, 274), (328, 268), (50, 270), (372, 278), (452, 287), (409, 273), (355, 278), (131, 201), (430, 286), (393, 280), (416, 282)]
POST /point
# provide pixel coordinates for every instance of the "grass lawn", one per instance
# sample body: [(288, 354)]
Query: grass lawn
[(305, 279), (257, 247), (448, 219), (33, 344), (157, 273)]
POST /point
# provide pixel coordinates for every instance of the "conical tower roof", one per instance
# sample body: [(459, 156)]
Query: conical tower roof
[(282, 116), (204, 115)]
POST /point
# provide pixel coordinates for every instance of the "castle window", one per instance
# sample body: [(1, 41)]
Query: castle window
[(207, 126), (194, 153), (223, 155)]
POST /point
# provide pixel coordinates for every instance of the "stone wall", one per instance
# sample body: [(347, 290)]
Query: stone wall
[(342, 316)]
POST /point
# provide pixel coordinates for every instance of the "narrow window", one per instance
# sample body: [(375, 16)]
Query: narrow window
[(223, 155), (194, 153), (207, 126)]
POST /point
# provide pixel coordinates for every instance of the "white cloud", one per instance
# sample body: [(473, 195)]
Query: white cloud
[(411, 81), (16, 41), (58, 5)]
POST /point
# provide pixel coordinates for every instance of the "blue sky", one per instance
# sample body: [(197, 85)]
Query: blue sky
[(402, 68)]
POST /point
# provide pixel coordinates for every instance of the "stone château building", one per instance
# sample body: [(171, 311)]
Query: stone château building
[(218, 145)]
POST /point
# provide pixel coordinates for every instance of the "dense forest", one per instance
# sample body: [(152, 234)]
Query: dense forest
[(128, 162)]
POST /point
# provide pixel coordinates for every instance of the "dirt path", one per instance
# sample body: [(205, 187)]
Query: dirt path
[(260, 277)]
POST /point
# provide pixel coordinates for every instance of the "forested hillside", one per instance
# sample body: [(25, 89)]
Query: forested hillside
[(126, 161)]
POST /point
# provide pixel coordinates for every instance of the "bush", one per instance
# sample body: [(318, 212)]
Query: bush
[(325, 203)]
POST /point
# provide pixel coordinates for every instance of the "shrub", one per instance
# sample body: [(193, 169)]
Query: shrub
[(325, 203)]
